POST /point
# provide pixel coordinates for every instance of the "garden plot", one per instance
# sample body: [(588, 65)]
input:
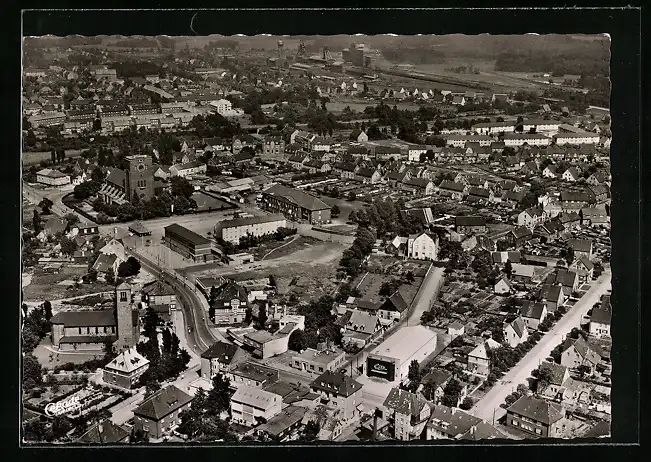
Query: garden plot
[(45, 285)]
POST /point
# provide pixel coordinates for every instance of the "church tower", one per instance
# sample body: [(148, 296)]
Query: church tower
[(140, 178), (126, 338)]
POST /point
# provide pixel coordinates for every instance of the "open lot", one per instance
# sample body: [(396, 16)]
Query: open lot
[(308, 271), (45, 285), (283, 248)]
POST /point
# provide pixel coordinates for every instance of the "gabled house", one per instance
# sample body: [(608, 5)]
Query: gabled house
[(571, 174), (394, 308), (476, 194), (346, 170), (600, 318), (568, 280), (550, 172), (518, 236), (533, 313), (339, 391), (104, 263), (361, 328), (219, 358), (478, 359), (584, 269), (569, 220), (358, 136), (452, 189), (433, 384), (594, 216), (407, 413), (512, 198), (536, 416), (552, 296), (500, 258), (158, 415), (531, 217), (577, 352), (516, 332), (423, 246), (581, 247), (470, 224), (421, 186), (503, 286), (368, 175)]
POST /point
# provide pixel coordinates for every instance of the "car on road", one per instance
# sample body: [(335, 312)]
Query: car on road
[(189, 329)]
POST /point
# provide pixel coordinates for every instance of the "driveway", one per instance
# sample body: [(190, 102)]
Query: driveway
[(489, 406)]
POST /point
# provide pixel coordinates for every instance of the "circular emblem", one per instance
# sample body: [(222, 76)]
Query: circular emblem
[(141, 167)]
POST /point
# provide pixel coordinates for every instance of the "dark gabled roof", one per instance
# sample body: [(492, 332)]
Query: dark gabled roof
[(221, 351), (580, 245), (531, 309), (583, 348), (162, 403), (513, 196), (452, 186), (574, 196), (232, 290), (366, 172), (117, 177), (395, 303), (336, 382), (105, 432), (418, 182), (602, 313), (479, 192), (345, 166), (538, 410), (519, 326), (297, 197), (437, 378), (451, 421), (404, 402), (521, 231), (558, 372), (562, 276), (158, 288), (534, 211), (549, 292), (585, 262), (87, 318), (470, 221)]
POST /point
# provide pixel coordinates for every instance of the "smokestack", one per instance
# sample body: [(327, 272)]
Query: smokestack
[(454, 409)]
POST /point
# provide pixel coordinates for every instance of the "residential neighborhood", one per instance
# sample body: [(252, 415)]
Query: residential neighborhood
[(282, 240)]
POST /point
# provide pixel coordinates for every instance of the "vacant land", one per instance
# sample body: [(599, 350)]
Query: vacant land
[(49, 358), (308, 272), (206, 202), (45, 285), (34, 158), (286, 247)]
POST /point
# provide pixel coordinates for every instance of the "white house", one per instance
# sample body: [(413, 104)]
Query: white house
[(191, 168), (503, 286), (516, 332), (422, 246), (52, 177), (571, 174), (222, 106), (519, 139), (531, 217), (249, 405)]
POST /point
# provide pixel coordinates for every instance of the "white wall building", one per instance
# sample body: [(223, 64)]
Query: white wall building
[(422, 246), (52, 177), (233, 230), (249, 404), (519, 139), (575, 138)]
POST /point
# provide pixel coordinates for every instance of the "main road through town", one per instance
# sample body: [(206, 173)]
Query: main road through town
[(488, 407), (199, 336)]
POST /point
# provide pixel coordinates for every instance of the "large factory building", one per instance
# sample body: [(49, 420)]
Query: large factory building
[(391, 359)]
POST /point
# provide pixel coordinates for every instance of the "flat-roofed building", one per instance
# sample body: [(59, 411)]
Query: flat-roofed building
[(253, 406), (318, 361), (233, 230), (391, 359), (188, 243)]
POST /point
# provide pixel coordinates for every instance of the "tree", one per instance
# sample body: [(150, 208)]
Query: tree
[(72, 219), (467, 403), (129, 268), (219, 397), (47, 310), (138, 435), (296, 341), (68, 246), (310, 432), (352, 196), (36, 222), (508, 268), (262, 316), (110, 276), (32, 370), (45, 205), (451, 393), (334, 211), (248, 316), (544, 376), (414, 375), (151, 387)]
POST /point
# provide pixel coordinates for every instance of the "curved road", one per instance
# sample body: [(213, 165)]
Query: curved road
[(192, 305)]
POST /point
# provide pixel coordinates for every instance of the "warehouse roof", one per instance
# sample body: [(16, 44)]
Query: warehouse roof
[(405, 343), (186, 235), (251, 221), (297, 197)]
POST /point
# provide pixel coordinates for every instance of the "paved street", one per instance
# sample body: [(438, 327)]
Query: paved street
[(426, 295), (490, 403), (36, 195)]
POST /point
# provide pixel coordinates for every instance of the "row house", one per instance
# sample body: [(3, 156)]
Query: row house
[(421, 186), (346, 170), (368, 175), (315, 166), (453, 190), (476, 194)]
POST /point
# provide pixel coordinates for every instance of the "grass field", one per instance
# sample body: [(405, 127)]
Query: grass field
[(45, 285), (34, 158), (286, 247)]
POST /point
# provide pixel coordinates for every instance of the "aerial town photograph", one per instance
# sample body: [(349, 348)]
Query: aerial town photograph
[(315, 239)]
